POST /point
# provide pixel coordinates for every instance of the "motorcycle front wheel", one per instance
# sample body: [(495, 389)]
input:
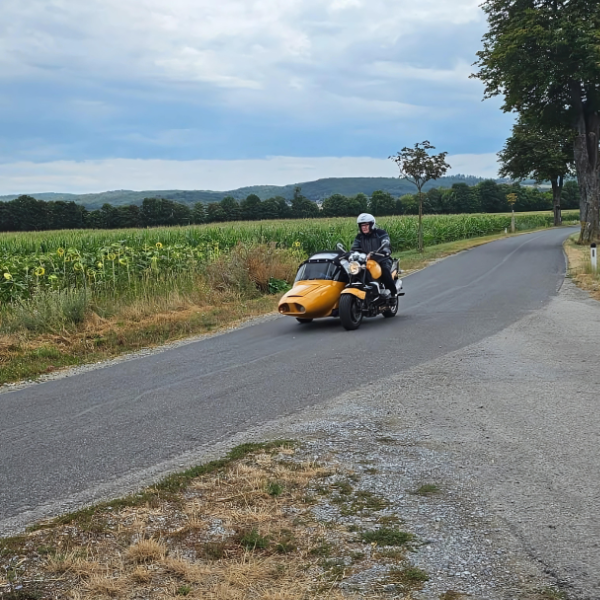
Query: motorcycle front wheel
[(391, 311), (351, 314)]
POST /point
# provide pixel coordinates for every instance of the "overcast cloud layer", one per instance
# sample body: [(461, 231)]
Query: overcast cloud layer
[(91, 90)]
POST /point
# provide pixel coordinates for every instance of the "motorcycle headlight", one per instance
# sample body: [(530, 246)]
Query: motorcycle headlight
[(354, 268)]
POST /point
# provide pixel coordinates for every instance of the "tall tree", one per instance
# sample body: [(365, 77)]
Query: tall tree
[(199, 213), (382, 203), (231, 208), (250, 208), (336, 206), (302, 207), (418, 166), (541, 153), (543, 56)]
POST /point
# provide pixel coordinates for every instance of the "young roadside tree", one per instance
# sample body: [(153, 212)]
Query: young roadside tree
[(543, 56), (541, 153), (418, 166)]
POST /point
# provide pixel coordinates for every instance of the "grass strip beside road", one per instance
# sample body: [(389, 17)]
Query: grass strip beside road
[(580, 267), (27, 355), (241, 527)]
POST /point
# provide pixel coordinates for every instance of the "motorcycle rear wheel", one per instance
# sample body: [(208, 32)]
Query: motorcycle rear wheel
[(351, 314)]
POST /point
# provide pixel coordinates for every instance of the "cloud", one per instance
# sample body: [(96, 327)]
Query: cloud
[(198, 79), (220, 175)]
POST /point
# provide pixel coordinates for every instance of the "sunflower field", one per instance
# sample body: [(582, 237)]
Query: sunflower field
[(124, 261)]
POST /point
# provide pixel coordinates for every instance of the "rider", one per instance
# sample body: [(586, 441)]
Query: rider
[(369, 240)]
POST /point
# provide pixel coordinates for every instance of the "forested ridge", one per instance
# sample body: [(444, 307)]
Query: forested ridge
[(27, 213), (313, 190)]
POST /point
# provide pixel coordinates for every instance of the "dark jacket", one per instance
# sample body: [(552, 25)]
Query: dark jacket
[(372, 242)]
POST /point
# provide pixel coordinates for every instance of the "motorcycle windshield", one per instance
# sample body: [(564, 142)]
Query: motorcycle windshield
[(311, 271)]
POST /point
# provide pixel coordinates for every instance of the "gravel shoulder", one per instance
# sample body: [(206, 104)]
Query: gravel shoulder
[(509, 431)]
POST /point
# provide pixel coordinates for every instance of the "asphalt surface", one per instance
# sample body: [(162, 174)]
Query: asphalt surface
[(63, 438)]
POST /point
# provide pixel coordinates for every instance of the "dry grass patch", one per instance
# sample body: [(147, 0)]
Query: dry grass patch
[(146, 552), (580, 267), (216, 532)]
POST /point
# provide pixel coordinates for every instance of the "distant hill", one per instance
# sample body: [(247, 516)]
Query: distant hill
[(313, 190)]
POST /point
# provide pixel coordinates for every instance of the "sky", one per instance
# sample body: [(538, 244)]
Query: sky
[(199, 94)]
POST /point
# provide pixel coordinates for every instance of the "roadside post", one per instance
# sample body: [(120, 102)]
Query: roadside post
[(512, 199), (594, 256)]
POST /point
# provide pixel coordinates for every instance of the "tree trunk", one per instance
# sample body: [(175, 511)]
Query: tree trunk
[(420, 221), (557, 186), (587, 166)]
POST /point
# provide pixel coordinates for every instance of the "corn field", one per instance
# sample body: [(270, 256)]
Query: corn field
[(123, 260)]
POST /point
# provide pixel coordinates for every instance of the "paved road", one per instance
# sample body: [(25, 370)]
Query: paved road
[(64, 437)]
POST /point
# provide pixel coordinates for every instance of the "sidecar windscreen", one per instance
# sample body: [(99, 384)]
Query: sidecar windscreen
[(321, 266)]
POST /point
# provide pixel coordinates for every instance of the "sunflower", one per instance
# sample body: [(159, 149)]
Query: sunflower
[(123, 261), (60, 251), (100, 265), (77, 266), (159, 245), (111, 256), (7, 276), (39, 271), (297, 244)]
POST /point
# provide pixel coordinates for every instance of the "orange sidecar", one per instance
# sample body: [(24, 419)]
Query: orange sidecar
[(317, 289)]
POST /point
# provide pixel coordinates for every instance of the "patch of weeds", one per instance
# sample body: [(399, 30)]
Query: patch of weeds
[(322, 549), (343, 487), (46, 550), (429, 489), (408, 576), (212, 550), (386, 536), (371, 471), (274, 489), (12, 545), (334, 568), (386, 439), (451, 595), (396, 554), (184, 590), (286, 542), (353, 528), (354, 477), (22, 594), (357, 556), (322, 491), (308, 499), (361, 502), (368, 500), (326, 474), (389, 520), (551, 594), (252, 540)]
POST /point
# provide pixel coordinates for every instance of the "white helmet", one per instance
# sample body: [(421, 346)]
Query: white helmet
[(366, 218)]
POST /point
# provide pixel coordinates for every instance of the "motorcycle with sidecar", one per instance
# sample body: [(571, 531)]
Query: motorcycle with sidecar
[(341, 284)]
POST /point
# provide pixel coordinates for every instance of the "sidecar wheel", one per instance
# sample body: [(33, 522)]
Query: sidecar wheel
[(351, 314), (303, 320), (391, 311)]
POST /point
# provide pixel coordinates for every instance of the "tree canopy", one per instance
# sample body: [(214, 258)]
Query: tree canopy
[(543, 56)]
